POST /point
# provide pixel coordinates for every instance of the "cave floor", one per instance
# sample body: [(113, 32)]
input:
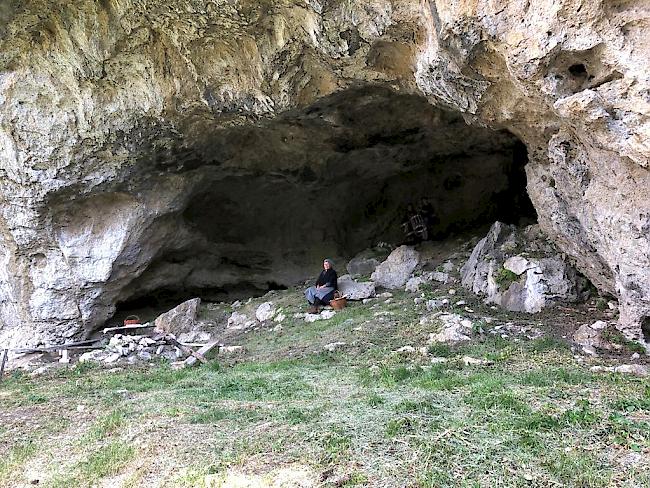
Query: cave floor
[(287, 412)]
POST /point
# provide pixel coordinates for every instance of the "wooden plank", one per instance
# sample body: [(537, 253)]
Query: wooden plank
[(56, 348), (185, 349), (127, 327), (203, 351), (5, 353)]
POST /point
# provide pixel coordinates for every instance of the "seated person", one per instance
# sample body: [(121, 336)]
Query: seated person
[(323, 291)]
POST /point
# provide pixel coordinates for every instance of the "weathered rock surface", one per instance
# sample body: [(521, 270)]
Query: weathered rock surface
[(266, 311), (364, 263), (454, 329), (396, 270), (502, 268), (180, 319), (354, 290), (240, 321), (121, 122)]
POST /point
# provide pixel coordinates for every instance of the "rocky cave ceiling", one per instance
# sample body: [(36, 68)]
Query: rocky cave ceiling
[(147, 144)]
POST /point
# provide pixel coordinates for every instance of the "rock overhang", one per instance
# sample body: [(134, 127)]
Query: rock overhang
[(90, 91)]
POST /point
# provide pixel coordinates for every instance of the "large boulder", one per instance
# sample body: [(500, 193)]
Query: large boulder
[(353, 290), (266, 311), (365, 263), (396, 270), (180, 319), (520, 270)]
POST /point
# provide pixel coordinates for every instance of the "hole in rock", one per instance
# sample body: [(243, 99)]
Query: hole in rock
[(329, 180), (645, 329), (578, 70)]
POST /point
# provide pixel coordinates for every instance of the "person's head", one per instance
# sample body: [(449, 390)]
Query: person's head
[(328, 264)]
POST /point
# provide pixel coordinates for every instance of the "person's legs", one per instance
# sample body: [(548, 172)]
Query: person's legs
[(327, 298), (314, 306)]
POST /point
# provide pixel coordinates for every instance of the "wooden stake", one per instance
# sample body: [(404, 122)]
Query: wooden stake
[(5, 352)]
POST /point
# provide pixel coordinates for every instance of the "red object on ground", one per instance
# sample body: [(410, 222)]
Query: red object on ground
[(132, 320)]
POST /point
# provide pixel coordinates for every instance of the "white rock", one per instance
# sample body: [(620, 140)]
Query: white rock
[(589, 350), (385, 294), (230, 350), (92, 356), (406, 349), (354, 290), (266, 311), (436, 360), (413, 284), (635, 356), (240, 321), (517, 264), (324, 315), (454, 329), (635, 369), (333, 346), (599, 325), (395, 271), (181, 318), (470, 361), (452, 291), (327, 314), (280, 317), (112, 357)]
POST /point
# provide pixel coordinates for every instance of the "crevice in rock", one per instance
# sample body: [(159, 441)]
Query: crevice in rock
[(645, 329)]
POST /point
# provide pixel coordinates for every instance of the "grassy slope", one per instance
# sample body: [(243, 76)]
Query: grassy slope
[(291, 414)]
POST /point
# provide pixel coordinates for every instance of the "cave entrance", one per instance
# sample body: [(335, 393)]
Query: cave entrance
[(330, 180)]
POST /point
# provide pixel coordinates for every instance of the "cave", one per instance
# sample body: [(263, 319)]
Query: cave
[(343, 171), (153, 151)]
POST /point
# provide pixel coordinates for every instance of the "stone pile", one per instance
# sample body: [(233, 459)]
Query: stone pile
[(133, 348)]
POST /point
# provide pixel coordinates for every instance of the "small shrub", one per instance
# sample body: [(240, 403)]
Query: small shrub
[(504, 278)]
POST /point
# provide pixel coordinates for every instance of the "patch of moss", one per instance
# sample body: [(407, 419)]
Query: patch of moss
[(504, 278), (616, 337)]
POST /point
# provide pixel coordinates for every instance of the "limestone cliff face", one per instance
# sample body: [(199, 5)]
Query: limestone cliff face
[(118, 117)]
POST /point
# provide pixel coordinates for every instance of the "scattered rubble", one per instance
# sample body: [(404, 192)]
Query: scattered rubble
[(324, 315), (454, 329)]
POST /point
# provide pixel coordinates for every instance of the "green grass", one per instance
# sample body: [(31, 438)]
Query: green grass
[(366, 416), (105, 461)]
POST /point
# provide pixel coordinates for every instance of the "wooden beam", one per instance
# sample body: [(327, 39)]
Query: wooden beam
[(127, 327), (61, 347), (3, 360), (191, 361), (185, 349)]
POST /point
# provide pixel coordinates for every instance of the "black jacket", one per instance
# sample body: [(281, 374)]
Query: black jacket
[(328, 278)]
